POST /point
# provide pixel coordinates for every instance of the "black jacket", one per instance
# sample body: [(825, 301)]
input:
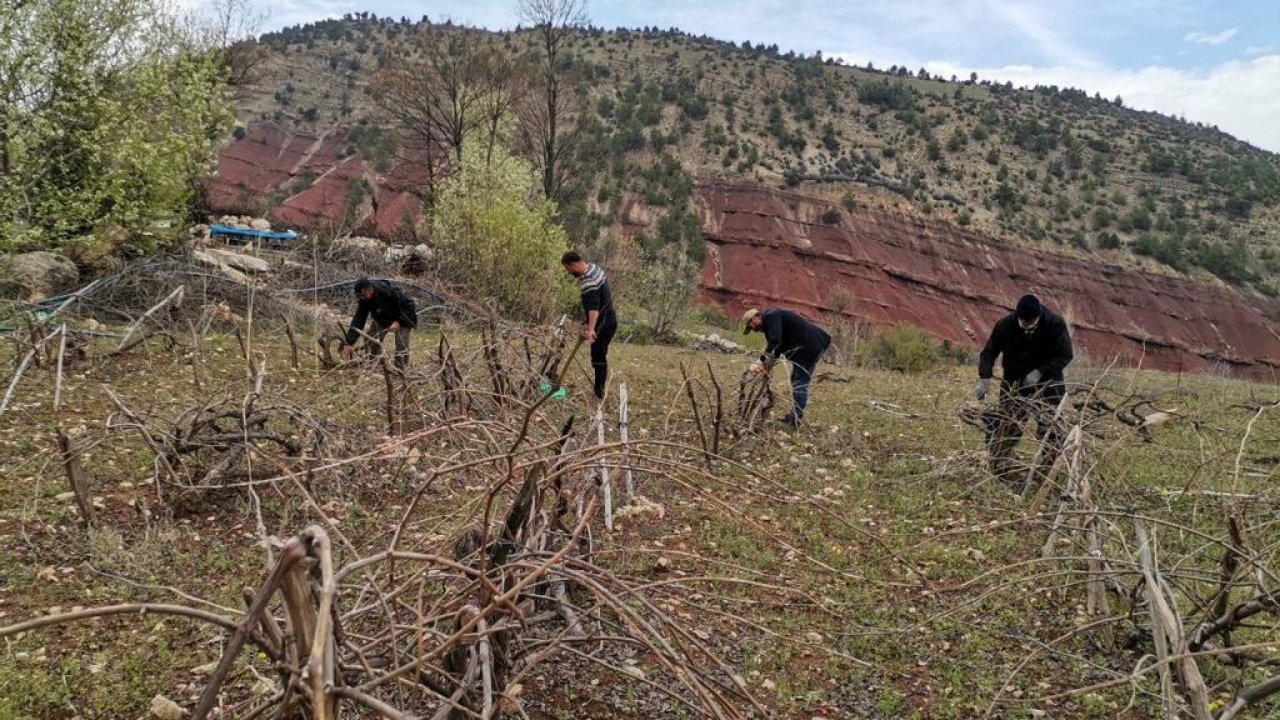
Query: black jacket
[(1047, 348), (790, 335), (389, 304)]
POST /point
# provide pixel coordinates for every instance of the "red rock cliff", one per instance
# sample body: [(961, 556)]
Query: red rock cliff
[(269, 160), (771, 247), (767, 247)]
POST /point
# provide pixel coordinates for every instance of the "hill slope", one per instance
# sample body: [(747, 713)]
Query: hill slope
[(1049, 166)]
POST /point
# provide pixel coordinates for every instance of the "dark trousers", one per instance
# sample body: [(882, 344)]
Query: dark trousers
[(802, 372), (402, 344), (1017, 405), (600, 357)]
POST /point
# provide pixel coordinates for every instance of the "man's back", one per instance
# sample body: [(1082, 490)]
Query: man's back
[(792, 334)]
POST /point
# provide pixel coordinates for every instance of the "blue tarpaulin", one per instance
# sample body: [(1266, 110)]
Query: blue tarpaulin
[(274, 237)]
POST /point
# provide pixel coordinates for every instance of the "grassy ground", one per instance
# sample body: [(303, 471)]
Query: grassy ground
[(888, 574)]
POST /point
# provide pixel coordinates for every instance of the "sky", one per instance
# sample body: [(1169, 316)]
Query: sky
[(1212, 61)]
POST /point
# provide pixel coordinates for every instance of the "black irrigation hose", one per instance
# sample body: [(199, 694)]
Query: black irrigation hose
[(441, 305)]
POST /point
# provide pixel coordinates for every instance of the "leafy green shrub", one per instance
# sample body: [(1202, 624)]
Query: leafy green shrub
[(888, 94), (496, 238), (904, 348), (111, 116), (831, 217)]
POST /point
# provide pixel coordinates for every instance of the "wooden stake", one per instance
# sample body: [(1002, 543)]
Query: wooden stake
[(57, 386), (293, 344), (22, 367), (624, 429), (603, 482), (75, 477)]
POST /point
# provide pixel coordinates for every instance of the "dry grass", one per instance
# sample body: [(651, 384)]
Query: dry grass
[(864, 567)]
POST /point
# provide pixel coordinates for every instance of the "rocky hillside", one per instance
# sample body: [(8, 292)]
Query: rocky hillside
[(661, 111), (771, 247)]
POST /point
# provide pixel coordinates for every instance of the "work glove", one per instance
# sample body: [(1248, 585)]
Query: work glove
[(980, 391), (1032, 378)]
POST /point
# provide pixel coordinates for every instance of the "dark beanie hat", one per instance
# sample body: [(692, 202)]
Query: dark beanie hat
[(1028, 307)]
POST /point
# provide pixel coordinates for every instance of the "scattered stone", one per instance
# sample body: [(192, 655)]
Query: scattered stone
[(64, 496), (639, 506), (813, 637), (240, 261), (166, 709), (204, 257), (260, 224), (662, 565), (633, 671), (768, 685), (360, 243), (715, 343)]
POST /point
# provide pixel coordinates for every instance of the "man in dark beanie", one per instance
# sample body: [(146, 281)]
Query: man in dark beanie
[(392, 311), (1034, 346)]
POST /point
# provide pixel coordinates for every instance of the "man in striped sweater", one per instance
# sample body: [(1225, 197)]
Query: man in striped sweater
[(601, 320)]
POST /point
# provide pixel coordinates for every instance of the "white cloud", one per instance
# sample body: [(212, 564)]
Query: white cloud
[(1043, 31), (1239, 96), (1204, 38), (1256, 50)]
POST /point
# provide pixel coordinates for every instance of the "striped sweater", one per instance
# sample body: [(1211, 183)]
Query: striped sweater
[(596, 295)]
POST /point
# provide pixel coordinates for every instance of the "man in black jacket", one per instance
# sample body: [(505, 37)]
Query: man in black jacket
[(801, 342), (1035, 347), (601, 320), (392, 311)]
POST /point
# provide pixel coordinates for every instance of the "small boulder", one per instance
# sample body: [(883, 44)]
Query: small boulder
[(40, 274), (240, 261), (166, 709), (205, 257), (260, 224)]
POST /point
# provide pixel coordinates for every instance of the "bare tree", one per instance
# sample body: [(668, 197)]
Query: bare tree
[(439, 101), (543, 123), (232, 26), (504, 87)]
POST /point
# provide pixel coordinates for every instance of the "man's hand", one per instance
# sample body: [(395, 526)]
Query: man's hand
[(588, 334), (980, 391), (757, 368), (1032, 378), (393, 326), (346, 352)]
